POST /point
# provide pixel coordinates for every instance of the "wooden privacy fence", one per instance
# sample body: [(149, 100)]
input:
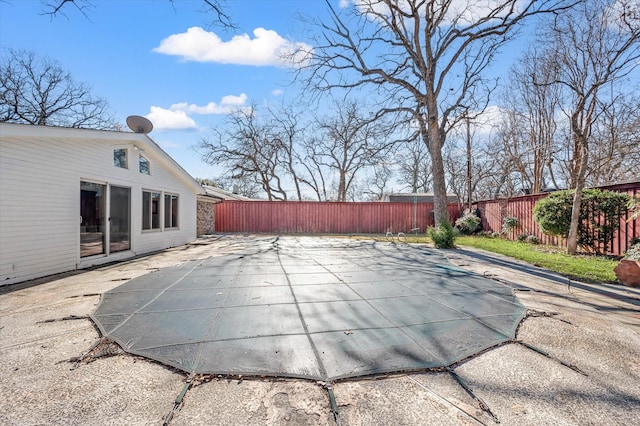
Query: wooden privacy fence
[(307, 217), (493, 213)]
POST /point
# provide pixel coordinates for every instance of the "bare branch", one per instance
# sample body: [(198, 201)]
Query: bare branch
[(38, 91), (422, 57), (590, 47), (220, 18)]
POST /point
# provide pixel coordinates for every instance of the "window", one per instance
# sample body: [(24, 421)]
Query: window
[(170, 211), (120, 158), (150, 210), (144, 165)]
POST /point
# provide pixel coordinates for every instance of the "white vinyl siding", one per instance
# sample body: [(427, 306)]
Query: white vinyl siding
[(40, 173)]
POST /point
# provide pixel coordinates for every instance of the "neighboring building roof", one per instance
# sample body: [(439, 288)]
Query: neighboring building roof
[(139, 140), (417, 197), (216, 192)]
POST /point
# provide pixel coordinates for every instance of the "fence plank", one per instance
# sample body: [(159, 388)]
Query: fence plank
[(324, 217), (302, 217), (493, 213)]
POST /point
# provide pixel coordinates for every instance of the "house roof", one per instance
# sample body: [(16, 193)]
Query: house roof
[(139, 140), (420, 197), (216, 192)]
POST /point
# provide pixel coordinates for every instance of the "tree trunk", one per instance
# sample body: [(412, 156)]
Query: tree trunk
[(435, 140), (572, 238), (469, 186), (440, 211), (342, 187)]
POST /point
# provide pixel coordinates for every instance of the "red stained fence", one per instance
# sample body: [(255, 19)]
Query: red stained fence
[(306, 217), (493, 212)]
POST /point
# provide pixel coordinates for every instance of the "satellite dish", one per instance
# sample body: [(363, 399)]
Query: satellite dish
[(139, 124)]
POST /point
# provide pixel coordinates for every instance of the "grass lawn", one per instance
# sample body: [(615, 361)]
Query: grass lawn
[(582, 267)]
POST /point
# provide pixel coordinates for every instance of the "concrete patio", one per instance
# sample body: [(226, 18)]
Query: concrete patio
[(45, 329)]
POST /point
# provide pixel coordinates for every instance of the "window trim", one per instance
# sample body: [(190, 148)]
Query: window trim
[(149, 211), (141, 159), (126, 157), (168, 210)]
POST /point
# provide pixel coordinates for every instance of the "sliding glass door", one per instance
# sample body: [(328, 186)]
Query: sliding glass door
[(92, 218), (119, 219), (94, 239)]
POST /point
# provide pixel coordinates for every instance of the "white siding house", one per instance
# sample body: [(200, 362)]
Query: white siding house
[(73, 198)]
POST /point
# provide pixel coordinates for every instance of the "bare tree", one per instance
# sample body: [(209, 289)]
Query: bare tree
[(60, 7), (414, 166), (424, 58), (313, 173), (614, 153), (532, 119), (288, 132), (245, 185), (496, 173), (376, 186), (349, 143), (476, 168), (249, 149), (455, 167), (35, 90), (265, 145), (596, 43)]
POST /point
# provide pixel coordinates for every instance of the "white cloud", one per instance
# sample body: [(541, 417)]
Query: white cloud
[(277, 92), (178, 115), (168, 119), (267, 48), (461, 12), (234, 100), (227, 105), (490, 118)]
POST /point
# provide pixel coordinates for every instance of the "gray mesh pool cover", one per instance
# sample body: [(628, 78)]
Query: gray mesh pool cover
[(311, 308)]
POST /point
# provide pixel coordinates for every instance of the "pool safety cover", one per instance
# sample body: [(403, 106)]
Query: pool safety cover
[(310, 308)]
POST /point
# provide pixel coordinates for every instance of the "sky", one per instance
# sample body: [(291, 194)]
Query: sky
[(165, 61)]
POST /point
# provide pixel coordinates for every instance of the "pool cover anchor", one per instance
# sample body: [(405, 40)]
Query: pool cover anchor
[(332, 400), (445, 401), (548, 355), (554, 315), (481, 403), (178, 401)]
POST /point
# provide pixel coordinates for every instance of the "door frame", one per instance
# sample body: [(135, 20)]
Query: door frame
[(107, 255)]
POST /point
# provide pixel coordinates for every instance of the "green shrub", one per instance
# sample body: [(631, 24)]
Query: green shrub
[(600, 215), (469, 223), (443, 235), (510, 223), (532, 239), (633, 253), (634, 208), (553, 213)]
